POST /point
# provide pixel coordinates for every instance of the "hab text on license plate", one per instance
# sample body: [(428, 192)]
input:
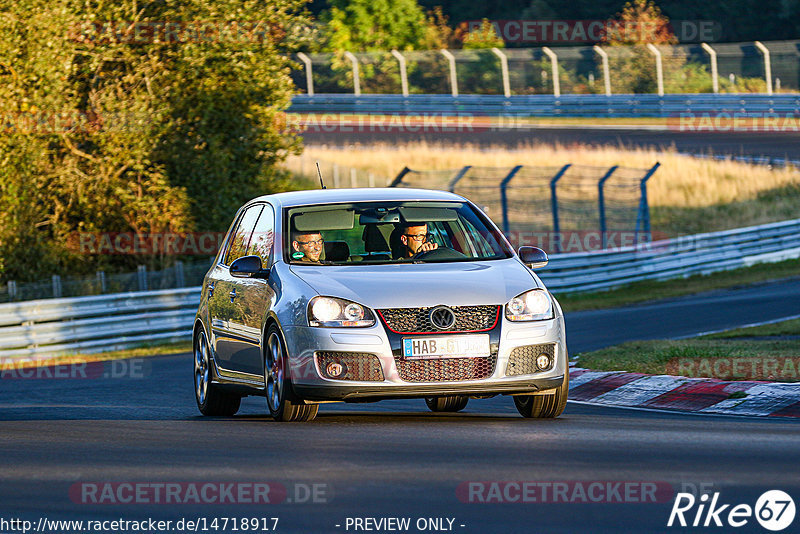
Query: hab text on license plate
[(464, 346)]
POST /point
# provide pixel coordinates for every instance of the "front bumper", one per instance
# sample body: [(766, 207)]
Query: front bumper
[(305, 342)]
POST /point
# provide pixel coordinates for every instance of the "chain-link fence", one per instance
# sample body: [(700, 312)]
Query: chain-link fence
[(572, 208), (178, 275), (695, 68)]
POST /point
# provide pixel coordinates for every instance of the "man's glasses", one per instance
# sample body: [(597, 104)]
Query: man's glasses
[(315, 242), (420, 238)]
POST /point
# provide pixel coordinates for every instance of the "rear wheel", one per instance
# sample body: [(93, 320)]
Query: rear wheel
[(544, 405), (211, 399), (282, 404), (453, 403)]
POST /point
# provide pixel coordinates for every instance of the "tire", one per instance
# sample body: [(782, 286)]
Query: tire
[(281, 401), (211, 399), (453, 403), (544, 405)]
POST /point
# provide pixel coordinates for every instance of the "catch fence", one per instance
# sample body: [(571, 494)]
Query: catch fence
[(569, 208)]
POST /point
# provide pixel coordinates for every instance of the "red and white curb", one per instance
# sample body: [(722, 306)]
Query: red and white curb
[(701, 395)]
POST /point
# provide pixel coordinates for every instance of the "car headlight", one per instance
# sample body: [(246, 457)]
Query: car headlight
[(329, 311), (533, 305)]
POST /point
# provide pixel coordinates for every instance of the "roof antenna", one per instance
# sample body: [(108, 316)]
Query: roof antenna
[(320, 177)]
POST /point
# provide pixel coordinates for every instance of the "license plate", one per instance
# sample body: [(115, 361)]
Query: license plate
[(424, 348)]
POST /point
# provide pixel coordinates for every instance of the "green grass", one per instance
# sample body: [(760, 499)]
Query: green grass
[(639, 292), (732, 355)]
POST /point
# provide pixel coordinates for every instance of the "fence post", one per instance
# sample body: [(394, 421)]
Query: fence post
[(56, 286), (606, 75), (554, 60), (767, 65), (399, 177), (12, 290), (714, 72), (336, 176), (371, 180), (453, 78), (309, 73), (403, 73), (356, 78), (659, 67), (554, 206), (503, 71), (504, 198), (643, 217), (353, 178), (179, 279), (459, 175), (101, 280), (601, 204), (141, 271)]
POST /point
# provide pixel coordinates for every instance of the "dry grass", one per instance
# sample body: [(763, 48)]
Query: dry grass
[(687, 195)]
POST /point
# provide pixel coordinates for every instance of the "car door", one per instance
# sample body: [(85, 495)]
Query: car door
[(254, 297), (229, 340)]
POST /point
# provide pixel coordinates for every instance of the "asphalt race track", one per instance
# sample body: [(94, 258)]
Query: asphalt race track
[(396, 459), (770, 144)]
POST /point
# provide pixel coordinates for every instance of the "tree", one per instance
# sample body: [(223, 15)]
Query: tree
[(374, 25), (118, 122)]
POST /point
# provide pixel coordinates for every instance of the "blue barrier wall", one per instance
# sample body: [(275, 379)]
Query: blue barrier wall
[(632, 105)]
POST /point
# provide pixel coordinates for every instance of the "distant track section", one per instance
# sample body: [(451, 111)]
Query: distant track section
[(768, 144)]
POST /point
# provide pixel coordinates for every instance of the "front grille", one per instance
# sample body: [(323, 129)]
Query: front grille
[(522, 360), (417, 320), (445, 370), (357, 366)]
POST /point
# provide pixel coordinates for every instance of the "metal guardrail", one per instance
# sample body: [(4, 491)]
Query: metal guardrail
[(673, 258), (42, 328), (628, 105)]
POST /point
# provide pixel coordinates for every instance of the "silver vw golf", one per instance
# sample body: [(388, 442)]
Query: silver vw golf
[(360, 295)]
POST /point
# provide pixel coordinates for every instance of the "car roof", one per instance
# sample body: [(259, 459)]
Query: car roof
[(366, 194)]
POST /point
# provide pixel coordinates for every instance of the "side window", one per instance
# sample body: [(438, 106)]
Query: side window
[(263, 236), (241, 236)]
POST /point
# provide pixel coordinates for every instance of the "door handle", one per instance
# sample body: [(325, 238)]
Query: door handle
[(232, 294)]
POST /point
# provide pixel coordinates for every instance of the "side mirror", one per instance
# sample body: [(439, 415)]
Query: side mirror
[(533, 257), (246, 267)]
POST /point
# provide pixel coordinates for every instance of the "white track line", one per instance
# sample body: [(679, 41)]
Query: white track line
[(762, 323)]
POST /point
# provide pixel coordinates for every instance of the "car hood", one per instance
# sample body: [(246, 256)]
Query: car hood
[(421, 284)]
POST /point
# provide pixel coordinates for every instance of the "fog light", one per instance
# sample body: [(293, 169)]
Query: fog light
[(334, 369), (543, 361)]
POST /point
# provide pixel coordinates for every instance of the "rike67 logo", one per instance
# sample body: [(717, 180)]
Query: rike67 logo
[(774, 510)]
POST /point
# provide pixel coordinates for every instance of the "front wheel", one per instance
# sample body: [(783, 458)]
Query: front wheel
[(278, 386), (544, 405), (211, 399), (453, 403)]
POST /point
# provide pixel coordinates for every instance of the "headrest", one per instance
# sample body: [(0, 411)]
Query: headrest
[(374, 240), (337, 251)]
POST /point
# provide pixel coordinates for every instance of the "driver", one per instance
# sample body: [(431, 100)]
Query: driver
[(307, 246), (414, 237)]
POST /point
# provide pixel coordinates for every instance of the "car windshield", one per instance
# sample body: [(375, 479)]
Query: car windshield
[(390, 232)]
